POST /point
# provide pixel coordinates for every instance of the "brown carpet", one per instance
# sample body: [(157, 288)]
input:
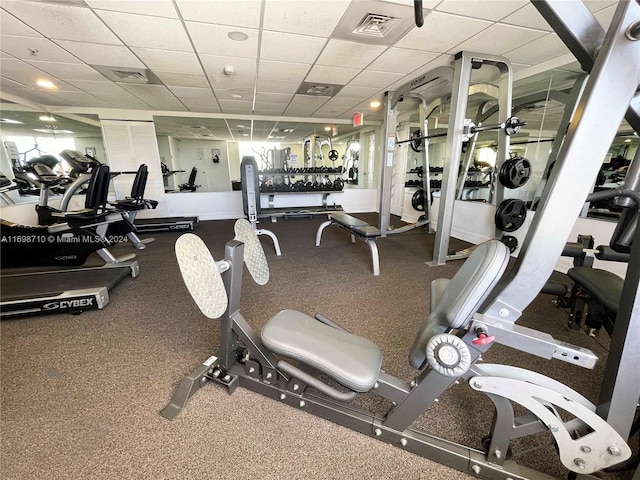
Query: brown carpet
[(81, 394)]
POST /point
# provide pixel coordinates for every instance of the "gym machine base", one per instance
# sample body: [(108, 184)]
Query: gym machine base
[(57, 291), (167, 224), (471, 312)]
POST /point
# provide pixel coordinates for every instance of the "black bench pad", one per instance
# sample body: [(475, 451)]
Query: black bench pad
[(356, 225), (604, 286)]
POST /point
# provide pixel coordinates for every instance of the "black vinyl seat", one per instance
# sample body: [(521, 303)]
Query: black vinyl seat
[(95, 205), (191, 183), (136, 201)]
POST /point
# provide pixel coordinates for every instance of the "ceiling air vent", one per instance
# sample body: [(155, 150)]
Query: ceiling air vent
[(141, 76), (319, 89), (375, 25)]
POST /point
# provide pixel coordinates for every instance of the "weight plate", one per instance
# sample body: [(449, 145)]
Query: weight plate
[(512, 126), (416, 141), (510, 241), (333, 155), (417, 200), (515, 172), (511, 214)]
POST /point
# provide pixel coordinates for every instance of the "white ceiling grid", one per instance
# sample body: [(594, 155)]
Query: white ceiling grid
[(186, 44)]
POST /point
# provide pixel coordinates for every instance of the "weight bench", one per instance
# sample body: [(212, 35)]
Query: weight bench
[(357, 228)]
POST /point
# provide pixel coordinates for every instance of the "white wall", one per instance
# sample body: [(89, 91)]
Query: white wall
[(214, 177), (93, 142)]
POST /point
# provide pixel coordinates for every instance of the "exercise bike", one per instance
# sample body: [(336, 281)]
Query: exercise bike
[(445, 350)]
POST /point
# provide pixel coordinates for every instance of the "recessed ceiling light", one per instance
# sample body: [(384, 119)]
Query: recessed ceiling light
[(327, 129), (375, 104), (241, 126), (9, 120), (46, 118), (45, 83), (236, 95), (238, 36)]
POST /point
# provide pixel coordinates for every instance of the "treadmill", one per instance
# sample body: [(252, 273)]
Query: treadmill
[(57, 291)]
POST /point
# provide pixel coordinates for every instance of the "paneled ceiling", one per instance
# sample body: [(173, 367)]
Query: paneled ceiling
[(213, 61)]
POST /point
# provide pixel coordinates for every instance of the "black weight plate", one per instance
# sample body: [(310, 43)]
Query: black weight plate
[(510, 241), (333, 155), (515, 172), (417, 200), (511, 214), (416, 141)]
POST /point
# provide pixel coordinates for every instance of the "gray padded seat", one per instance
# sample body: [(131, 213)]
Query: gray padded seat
[(604, 286), (368, 231), (457, 300), (351, 360)]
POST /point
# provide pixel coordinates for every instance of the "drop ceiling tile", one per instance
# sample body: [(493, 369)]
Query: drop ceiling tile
[(597, 5), (158, 96), (343, 102), (91, 86), (498, 39), (230, 83), (266, 110), (342, 53), (122, 100), (68, 71), (191, 92), (100, 54), (199, 107), (379, 80), (292, 72), (34, 48), (277, 46), (182, 80), (148, 32), (24, 73), (214, 65), (527, 16), (484, 9), (276, 86), (168, 61), (235, 106), (311, 100), (441, 32), (426, 4), (351, 91), (245, 94), (402, 60), (214, 40), (275, 98), (311, 17), (335, 75), (154, 8), (239, 13), (605, 15), (83, 99), (62, 22), (10, 25), (330, 111), (538, 51)]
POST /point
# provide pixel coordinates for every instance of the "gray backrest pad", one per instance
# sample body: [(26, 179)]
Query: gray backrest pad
[(463, 294)]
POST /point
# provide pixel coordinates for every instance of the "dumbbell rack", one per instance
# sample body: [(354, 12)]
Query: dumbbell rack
[(324, 208)]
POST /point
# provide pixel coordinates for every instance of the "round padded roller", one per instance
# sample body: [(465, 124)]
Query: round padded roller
[(201, 275), (253, 253), (448, 355)]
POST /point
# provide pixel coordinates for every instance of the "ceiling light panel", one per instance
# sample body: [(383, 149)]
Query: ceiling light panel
[(214, 40), (148, 32), (312, 17), (239, 13), (62, 22), (155, 8)]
